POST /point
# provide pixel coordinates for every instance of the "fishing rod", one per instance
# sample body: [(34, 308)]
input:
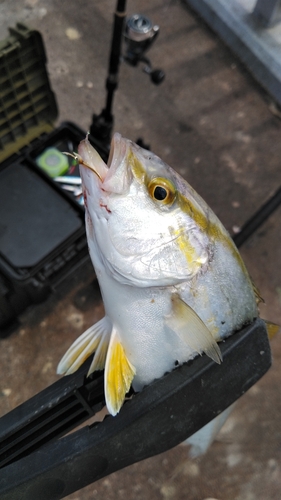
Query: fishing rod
[(139, 33)]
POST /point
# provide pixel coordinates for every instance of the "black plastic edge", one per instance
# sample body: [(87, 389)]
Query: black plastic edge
[(166, 413)]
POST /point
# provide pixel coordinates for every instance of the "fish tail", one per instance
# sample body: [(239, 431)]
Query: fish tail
[(202, 439), (95, 339)]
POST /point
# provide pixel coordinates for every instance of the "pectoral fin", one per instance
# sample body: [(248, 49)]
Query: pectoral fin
[(96, 338), (118, 374), (186, 323)]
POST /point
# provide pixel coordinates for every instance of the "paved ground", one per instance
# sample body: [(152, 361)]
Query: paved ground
[(212, 123)]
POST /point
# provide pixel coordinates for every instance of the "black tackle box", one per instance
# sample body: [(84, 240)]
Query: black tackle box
[(42, 232)]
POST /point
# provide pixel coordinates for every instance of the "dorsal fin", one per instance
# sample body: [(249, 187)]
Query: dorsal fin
[(258, 296)]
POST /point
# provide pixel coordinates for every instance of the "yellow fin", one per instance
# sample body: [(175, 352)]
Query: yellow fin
[(98, 362), (118, 375), (192, 330), (271, 328), (96, 338)]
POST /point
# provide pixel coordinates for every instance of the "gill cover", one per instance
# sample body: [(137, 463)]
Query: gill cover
[(150, 237)]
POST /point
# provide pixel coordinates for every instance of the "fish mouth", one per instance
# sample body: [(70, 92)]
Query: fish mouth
[(117, 177), (117, 152), (114, 175), (89, 158)]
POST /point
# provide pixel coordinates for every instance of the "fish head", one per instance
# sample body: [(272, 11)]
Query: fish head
[(144, 221)]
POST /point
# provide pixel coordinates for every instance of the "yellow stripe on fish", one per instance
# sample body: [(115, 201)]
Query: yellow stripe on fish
[(193, 258), (213, 228)]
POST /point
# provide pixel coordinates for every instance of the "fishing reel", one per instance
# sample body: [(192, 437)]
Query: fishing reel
[(139, 35)]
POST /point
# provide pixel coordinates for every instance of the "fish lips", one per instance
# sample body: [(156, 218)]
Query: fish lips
[(119, 176), (112, 178), (90, 161)]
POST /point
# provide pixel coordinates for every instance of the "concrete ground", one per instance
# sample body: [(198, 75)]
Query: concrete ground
[(212, 123)]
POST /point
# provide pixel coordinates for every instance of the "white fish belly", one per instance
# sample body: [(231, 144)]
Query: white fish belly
[(139, 314)]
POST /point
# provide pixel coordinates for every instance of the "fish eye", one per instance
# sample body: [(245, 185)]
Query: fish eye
[(160, 193), (162, 190)]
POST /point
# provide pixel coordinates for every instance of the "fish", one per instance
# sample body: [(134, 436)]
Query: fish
[(172, 281)]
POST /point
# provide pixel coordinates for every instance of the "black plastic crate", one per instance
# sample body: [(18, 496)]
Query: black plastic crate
[(42, 231)]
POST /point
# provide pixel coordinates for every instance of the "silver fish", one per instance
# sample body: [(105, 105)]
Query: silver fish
[(172, 281)]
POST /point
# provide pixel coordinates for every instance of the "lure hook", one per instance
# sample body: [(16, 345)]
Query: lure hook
[(80, 160)]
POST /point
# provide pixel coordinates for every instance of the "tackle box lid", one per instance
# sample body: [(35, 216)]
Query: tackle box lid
[(28, 105)]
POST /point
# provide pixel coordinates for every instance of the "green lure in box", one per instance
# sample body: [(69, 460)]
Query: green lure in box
[(53, 161)]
